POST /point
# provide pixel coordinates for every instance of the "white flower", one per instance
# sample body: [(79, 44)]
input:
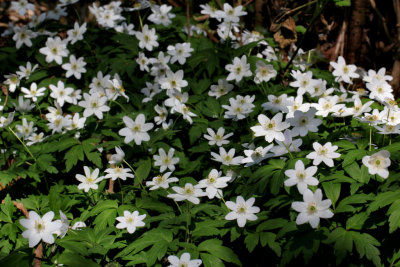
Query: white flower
[(264, 72), (33, 92), (231, 14), (94, 104), (22, 6), (238, 69), (90, 180), (118, 157), (270, 128), (147, 38), (344, 72), (304, 122), (380, 90), (173, 81), (136, 130), (325, 153), (40, 228), (149, 91), (165, 161), (188, 192), (227, 158), (184, 261), (26, 129), (301, 177), (143, 62), (378, 163), (62, 231), (35, 138), (13, 81), (304, 81), (78, 225), (312, 208), (118, 172), (60, 93), (217, 138), (130, 221), (179, 52), (213, 183), (161, 180), (25, 72), (242, 210), (162, 114), (380, 75), (327, 105), (76, 33), (239, 108), (278, 103), (221, 89), (257, 155), (55, 49), (186, 113), (75, 67)]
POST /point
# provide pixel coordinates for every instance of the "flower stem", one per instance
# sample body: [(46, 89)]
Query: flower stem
[(26, 148), (370, 137)]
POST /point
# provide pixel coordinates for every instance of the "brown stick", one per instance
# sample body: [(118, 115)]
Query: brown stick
[(38, 255), (339, 48)]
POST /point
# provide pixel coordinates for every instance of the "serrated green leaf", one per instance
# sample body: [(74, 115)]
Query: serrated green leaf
[(251, 241), (214, 247), (72, 157), (211, 260), (357, 221)]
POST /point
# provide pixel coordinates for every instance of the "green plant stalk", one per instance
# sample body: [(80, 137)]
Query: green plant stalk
[(130, 167), (187, 238), (26, 148), (122, 191), (370, 137), (287, 148)]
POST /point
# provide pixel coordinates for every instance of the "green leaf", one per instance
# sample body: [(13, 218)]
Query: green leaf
[(345, 144), (352, 156), (269, 238), (149, 238), (72, 157), (300, 29), (332, 191), (211, 260), (343, 2), (366, 246), (200, 86), (357, 221), (45, 163), (103, 205), (73, 259), (344, 204), (382, 200), (214, 247), (143, 170), (343, 243), (271, 224), (251, 241), (357, 173), (8, 209), (106, 217)]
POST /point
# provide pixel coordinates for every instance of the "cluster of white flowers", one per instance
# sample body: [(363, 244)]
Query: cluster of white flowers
[(285, 118)]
